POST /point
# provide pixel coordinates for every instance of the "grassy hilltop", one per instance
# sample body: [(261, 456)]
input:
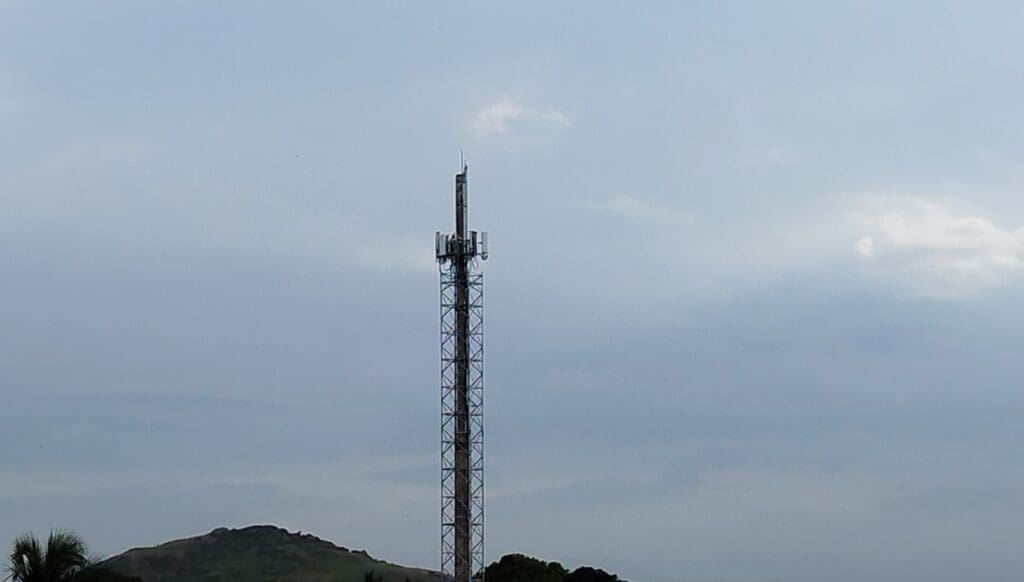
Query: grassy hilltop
[(258, 554)]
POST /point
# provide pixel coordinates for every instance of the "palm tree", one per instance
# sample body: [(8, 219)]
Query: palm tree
[(63, 559)]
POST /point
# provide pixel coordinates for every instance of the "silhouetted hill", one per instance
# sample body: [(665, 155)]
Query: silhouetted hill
[(258, 554), (263, 553), (97, 574)]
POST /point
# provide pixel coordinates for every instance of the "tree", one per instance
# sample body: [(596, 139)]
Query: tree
[(588, 574), (61, 561), (520, 568)]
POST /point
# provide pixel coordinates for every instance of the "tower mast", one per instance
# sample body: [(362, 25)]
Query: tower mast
[(462, 447)]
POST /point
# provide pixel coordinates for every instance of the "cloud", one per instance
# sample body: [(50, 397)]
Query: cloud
[(918, 245), (299, 242), (388, 250), (938, 249), (499, 117), (866, 247), (644, 214), (93, 184)]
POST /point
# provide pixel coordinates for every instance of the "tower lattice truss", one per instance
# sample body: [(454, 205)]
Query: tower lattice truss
[(459, 428), (462, 393)]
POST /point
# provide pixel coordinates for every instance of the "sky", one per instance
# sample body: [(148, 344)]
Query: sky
[(752, 306)]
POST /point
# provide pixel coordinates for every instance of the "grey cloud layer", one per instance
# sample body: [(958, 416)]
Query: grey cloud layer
[(752, 307)]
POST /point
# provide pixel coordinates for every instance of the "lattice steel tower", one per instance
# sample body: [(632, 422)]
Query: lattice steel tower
[(462, 393)]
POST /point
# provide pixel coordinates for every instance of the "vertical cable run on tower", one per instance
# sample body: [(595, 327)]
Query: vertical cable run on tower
[(462, 373)]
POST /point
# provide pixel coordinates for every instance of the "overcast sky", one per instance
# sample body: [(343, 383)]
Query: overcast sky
[(753, 302)]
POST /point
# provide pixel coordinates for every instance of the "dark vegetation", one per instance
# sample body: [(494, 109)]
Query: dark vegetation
[(100, 574), (251, 554), (62, 559), (520, 568)]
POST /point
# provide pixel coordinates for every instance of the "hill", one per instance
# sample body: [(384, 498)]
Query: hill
[(258, 554)]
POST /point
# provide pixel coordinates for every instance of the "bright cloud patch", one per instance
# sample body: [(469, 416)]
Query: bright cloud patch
[(940, 250), (501, 116)]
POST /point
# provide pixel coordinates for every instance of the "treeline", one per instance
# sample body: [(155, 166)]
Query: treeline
[(520, 568)]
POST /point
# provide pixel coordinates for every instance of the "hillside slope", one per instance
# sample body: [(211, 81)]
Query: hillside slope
[(258, 554)]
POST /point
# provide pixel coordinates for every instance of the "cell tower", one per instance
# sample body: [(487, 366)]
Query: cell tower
[(462, 392)]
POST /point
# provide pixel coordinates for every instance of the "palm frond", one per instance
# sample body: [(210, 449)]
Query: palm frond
[(65, 556), (27, 559)]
